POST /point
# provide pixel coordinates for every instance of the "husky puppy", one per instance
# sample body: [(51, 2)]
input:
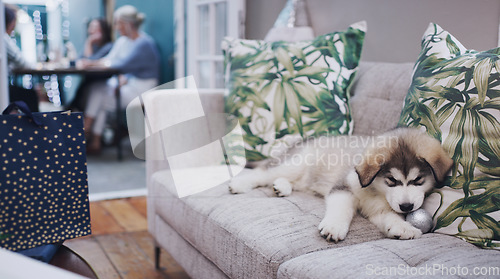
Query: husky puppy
[(382, 177)]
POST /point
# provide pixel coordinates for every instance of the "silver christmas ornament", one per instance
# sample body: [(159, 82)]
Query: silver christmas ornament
[(420, 219)]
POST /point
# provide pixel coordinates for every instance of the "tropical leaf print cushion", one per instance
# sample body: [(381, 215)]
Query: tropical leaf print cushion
[(455, 96), (280, 90)]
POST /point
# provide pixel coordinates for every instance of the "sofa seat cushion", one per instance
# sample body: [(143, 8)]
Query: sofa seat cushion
[(249, 235), (432, 256)]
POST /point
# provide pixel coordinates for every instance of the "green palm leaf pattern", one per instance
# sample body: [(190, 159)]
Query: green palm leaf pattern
[(278, 89), (455, 97)]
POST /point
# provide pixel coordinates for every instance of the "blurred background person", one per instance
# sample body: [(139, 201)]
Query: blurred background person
[(135, 54), (15, 60), (97, 45), (98, 42)]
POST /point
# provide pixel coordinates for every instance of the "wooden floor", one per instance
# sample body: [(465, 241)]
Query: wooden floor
[(120, 245)]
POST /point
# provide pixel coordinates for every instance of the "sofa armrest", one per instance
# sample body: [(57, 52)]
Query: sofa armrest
[(166, 108)]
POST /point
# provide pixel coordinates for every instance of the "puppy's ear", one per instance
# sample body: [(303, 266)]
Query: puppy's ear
[(430, 149), (374, 157), (367, 171), (440, 163)]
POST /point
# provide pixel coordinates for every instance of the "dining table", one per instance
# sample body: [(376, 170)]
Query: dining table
[(61, 71), (92, 73)]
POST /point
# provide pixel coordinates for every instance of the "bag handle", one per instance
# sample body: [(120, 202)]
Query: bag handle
[(23, 107)]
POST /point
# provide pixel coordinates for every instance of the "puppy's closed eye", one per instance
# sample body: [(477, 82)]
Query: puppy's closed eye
[(420, 180), (392, 182)]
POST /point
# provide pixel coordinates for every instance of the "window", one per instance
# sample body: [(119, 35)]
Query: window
[(200, 27)]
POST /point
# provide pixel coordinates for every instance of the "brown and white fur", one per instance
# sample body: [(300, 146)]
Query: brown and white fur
[(382, 177)]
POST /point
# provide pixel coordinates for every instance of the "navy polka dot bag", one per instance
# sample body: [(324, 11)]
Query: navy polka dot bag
[(43, 178)]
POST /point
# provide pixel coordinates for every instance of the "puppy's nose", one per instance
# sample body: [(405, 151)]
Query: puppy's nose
[(406, 207)]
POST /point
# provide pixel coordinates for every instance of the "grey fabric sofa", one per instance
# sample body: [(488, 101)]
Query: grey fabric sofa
[(215, 234)]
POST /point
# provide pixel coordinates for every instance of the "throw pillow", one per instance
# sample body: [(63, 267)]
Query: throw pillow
[(455, 97), (282, 90)]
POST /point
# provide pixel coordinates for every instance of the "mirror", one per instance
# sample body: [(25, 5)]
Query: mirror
[(42, 28)]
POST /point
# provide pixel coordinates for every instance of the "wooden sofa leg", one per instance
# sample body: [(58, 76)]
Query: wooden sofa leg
[(157, 256)]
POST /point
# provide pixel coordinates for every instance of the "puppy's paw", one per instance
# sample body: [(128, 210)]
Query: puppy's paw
[(240, 185), (332, 230), (403, 230), (282, 187)]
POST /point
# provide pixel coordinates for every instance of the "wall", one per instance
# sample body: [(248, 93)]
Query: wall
[(159, 24), (395, 27)]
